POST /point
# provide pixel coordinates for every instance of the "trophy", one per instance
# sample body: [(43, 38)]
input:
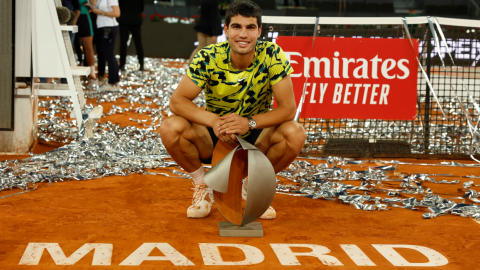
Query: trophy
[(230, 165)]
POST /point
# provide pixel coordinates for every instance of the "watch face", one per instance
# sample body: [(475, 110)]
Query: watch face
[(252, 123)]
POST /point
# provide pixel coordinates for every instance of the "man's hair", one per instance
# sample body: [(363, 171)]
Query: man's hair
[(245, 8)]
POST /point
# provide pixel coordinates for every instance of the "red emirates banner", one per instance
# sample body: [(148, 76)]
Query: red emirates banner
[(359, 78)]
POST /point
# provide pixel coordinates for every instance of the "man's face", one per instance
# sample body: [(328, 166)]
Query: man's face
[(242, 34)]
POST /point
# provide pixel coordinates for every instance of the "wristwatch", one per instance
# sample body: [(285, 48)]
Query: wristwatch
[(251, 123)]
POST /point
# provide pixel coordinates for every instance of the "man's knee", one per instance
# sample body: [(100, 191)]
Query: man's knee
[(173, 127), (295, 134)]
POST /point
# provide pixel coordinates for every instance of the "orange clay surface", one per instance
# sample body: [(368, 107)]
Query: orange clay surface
[(129, 211)]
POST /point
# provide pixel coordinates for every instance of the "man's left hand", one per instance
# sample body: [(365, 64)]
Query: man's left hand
[(233, 124)]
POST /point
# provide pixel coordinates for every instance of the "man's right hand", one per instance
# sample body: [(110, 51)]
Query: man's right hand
[(181, 104), (228, 138)]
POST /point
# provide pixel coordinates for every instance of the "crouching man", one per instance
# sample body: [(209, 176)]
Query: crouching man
[(239, 77)]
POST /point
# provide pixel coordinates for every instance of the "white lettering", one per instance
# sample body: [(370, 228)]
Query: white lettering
[(346, 61), (316, 61), (420, 47), (337, 94), (287, 257), (288, 56), (451, 44), (389, 252), (365, 92), (463, 49), (374, 94), (305, 86), (403, 68), (336, 66), (357, 87), (323, 88), (375, 62), (357, 255), (33, 253), (363, 67), (384, 94), (474, 50), (347, 93), (312, 96), (171, 254), (434, 48), (388, 65), (442, 52), (211, 255)]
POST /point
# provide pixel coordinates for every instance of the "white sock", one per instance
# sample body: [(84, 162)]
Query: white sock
[(198, 175)]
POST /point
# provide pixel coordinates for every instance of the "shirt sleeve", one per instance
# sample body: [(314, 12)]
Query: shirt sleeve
[(279, 66), (198, 70), (113, 2), (75, 4)]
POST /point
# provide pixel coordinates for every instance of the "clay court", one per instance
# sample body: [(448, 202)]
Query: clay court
[(123, 213), (127, 212)]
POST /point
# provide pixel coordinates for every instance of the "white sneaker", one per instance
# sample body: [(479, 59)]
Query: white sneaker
[(102, 80), (93, 81), (202, 202), (109, 87), (269, 214)]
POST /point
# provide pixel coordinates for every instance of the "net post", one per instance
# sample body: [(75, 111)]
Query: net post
[(427, 94), (302, 99)]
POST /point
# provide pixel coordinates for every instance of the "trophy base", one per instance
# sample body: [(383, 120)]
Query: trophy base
[(228, 229)]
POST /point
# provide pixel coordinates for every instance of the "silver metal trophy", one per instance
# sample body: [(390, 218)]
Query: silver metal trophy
[(230, 166)]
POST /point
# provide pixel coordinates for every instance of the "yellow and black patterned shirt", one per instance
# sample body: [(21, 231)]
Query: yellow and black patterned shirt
[(245, 92)]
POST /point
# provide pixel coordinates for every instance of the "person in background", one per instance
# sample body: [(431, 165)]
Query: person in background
[(75, 6), (209, 25), (85, 31), (130, 22), (77, 46), (107, 11), (97, 42), (412, 13)]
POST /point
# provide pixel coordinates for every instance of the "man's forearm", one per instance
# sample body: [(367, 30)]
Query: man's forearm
[(185, 108), (274, 117)]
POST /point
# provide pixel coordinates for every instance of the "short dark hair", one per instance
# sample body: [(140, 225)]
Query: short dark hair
[(245, 8)]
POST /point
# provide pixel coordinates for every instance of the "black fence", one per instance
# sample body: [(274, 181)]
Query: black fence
[(429, 134)]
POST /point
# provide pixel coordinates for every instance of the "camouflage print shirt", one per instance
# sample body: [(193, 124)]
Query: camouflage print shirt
[(245, 92)]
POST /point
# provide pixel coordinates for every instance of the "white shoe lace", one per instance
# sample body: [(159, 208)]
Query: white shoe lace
[(199, 193)]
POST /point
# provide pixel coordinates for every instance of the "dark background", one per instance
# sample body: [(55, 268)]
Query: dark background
[(176, 40)]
